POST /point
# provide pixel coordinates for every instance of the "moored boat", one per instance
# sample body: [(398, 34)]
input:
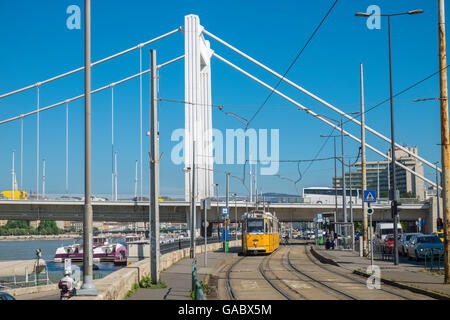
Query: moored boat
[(103, 251)]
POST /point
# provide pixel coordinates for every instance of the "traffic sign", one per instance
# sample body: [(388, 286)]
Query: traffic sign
[(224, 210), (205, 203), (370, 196)]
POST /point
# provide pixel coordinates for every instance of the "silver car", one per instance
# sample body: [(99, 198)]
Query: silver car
[(403, 242)]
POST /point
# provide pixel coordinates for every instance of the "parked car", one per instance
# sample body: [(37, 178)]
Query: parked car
[(403, 242), (388, 244), (422, 245), (382, 229), (6, 296)]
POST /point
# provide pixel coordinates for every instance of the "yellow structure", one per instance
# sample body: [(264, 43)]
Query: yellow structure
[(260, 232), (440, 234), (18, 195)]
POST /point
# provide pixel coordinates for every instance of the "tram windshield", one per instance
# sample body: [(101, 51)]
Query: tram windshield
[(255, 226)]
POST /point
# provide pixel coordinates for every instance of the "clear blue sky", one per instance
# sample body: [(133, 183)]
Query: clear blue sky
[(37, 45)]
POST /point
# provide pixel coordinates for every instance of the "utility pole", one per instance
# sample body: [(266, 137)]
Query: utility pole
[(256, 185), (445, 148), (227, 221), (218, 210), (154, 172), (88, 287), (344, 204), (437, 193), (251, 181), (351, 194), (13, 173), (43, 179), (235, 215), (115, 176), (67, 148), (335, 185), (135, 180), (363, 164), (394, 198), (394, 204), (378, 178)]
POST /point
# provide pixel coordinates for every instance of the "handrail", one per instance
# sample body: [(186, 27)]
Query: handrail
[(196, 286)]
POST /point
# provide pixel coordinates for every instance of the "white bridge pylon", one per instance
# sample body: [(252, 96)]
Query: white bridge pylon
[(198, 119)]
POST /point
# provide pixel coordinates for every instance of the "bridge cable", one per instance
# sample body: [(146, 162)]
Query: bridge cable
[(293, 62)]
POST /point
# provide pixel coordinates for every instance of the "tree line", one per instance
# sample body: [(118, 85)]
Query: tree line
[(22, 228)]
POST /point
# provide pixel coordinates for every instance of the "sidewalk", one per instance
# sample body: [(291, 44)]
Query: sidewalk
[(179, 276), (407, 274)]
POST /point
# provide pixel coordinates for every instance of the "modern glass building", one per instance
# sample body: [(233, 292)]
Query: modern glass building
[(379, 175)]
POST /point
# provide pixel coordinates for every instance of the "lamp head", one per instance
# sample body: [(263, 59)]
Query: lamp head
[(415, 11)]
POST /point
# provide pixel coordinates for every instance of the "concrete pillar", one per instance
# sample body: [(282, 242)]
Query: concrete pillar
[(198, 119), (198, 222), (432, 216)]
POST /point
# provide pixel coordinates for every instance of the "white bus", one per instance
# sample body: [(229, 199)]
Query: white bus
[(325, 195)]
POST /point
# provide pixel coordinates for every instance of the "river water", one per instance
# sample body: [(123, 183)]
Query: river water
[(26, 250)]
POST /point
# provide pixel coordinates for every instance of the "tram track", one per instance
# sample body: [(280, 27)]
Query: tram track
[(321, 283), (227, 279), (320, 265), (271, 282), (263, 266), (279, 272)]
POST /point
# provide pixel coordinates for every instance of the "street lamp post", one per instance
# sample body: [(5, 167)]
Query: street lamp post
[(218, 214), (394, 197), (236, 223), (344, 204), (88, 287)]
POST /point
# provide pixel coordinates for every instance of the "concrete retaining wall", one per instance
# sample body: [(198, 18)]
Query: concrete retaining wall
[(116, 285), (29, 290)]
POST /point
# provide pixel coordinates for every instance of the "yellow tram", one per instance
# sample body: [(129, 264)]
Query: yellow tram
[(260, 232)]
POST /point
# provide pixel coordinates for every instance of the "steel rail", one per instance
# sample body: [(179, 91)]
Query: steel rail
[(227, 280), (318, 281), (263, 273), (353, 279)]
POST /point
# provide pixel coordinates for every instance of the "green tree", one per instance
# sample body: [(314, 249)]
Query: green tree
[(49, 227), (408, 195), (20, 224)]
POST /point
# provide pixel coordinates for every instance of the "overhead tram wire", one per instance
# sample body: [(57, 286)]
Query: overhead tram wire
[(399, 93), (293, 62)]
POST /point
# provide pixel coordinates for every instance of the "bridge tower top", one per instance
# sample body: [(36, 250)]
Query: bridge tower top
[(198, 116)]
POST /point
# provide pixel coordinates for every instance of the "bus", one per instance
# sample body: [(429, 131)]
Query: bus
[(325, 195)]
